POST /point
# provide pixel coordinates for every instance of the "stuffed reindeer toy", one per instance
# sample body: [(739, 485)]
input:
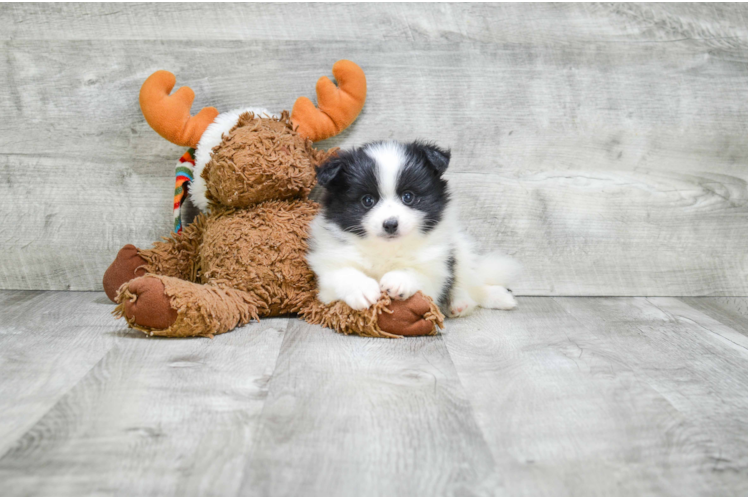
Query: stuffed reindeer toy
[(243, 257)]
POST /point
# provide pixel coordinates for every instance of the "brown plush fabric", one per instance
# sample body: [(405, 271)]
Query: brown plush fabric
[(192, 310), (126, 266), (144, 301), (418, 315), (246, 258), (261, 250), (260, 159), (178, 255), (415, 316)]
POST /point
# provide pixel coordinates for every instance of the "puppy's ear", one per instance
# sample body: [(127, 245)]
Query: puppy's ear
[(436, 157), (329, 170)]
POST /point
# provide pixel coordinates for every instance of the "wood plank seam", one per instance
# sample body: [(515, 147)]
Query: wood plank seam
[(52, 407)]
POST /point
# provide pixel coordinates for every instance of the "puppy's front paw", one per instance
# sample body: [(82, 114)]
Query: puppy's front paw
[(399, 285), (364, 295)]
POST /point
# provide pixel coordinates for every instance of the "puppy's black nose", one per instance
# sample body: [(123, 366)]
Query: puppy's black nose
[(390, 226)]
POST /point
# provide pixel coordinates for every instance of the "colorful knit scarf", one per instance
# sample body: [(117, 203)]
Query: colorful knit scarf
[(184, 173)]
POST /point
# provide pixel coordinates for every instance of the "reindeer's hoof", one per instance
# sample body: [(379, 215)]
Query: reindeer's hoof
[(147, 304), (407, 318), (126, 266)]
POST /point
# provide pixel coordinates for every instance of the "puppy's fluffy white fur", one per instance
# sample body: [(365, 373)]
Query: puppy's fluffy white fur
[(439, 259)]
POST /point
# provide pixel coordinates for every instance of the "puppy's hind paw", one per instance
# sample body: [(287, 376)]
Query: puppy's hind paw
[(498, 297), (461, 307), (460, 304)]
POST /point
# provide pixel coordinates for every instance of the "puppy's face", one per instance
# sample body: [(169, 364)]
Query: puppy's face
[(385, 190)]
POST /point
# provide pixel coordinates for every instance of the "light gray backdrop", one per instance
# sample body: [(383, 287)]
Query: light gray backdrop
[(605, 146)]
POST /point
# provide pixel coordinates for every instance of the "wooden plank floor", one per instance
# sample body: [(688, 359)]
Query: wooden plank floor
[(582, 396)]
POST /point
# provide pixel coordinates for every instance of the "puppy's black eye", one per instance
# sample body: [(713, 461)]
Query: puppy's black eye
[(408, 197), (367, 200)]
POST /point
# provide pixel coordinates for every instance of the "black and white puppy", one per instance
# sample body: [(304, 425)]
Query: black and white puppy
[(387, 223)]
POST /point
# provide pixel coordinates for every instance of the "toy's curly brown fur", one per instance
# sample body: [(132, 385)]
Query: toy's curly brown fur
[(246, 258), (282, 163)]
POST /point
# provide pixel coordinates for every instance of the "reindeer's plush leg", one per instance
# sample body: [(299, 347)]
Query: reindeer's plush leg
[(176, 256), (126, 266), (172, 307), (387, 318)]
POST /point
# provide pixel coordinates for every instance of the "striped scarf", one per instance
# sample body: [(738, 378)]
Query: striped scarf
[(184, 174)]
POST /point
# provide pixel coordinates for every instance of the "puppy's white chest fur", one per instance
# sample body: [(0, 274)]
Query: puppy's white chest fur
[(414, 252), (426, 255)]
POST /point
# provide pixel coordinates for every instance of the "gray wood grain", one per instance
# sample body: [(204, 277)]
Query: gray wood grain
[(48, 343), (624, 396), (351, 416), (697, 364), (602, 145), (721, 25), (730, 311), (148, 417), (563, 396)]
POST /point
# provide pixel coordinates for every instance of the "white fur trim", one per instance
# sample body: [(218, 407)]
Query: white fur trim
[(390, 158), (211, 138)]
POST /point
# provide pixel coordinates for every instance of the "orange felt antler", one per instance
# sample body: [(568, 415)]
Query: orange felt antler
[(338, 106), (169, 115)]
